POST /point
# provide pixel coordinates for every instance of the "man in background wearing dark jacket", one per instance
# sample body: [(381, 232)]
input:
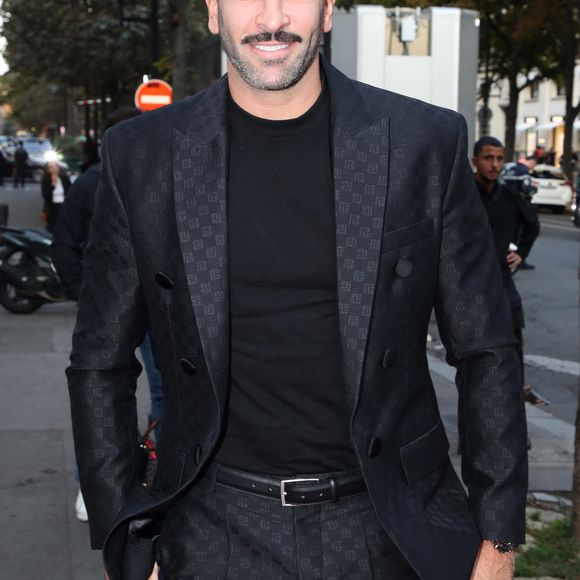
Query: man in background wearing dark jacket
[(72, 232), (514, 224), (69, 241)]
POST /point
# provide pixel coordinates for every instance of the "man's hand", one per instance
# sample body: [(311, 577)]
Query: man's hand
[(514, 259), (493, 565), (154, 576)]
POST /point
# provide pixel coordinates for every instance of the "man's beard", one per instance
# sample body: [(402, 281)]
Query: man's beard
[(254, 74)]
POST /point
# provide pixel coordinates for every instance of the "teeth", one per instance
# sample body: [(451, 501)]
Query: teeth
[(271, 48)]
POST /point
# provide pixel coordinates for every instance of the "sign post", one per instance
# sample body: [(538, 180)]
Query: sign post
[(153, 94)]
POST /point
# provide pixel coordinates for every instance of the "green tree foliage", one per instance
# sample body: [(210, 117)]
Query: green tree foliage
[(559, 26), (72, 48), (188, 28), (509, 50)]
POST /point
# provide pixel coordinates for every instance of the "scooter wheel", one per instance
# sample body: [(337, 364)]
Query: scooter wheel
[(15, 303), (10, 298)]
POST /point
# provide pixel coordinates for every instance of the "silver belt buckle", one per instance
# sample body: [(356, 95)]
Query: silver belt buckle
[(283, 483)]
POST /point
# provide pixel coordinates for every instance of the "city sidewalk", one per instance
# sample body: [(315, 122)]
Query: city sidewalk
[(41, 536), (552, 454)]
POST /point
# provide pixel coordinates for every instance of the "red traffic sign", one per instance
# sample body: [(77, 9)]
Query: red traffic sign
[(153, 94)]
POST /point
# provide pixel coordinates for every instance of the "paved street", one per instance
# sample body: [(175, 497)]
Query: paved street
[(550, 297), (41, 536)]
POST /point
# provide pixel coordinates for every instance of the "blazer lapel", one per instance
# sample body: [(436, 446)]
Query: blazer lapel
[(199, 187), (361, 163)]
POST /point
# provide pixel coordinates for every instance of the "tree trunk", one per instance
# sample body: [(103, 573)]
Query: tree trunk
[(181, 25), (567, 164), (576, 472), (576, 478), (572, 46), (511, 116)]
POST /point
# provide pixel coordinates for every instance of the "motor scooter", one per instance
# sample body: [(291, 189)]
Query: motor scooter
[(28, 278)]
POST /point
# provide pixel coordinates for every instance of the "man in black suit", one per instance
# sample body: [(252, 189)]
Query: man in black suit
[(287, 233), (513, 221)]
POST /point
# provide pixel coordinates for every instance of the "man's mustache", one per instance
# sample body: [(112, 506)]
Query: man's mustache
[(279, 36)]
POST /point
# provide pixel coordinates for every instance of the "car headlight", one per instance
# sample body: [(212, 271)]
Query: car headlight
[(51, 156)]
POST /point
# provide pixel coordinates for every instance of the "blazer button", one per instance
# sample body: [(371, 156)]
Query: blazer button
[(403, 268), (388, 358), (374, 447), (197, 454), (188, 366), (164, 280)]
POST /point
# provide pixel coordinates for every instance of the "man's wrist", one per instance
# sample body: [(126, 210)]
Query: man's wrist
[(502, 547)]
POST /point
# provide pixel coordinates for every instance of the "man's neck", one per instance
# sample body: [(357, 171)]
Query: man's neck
[(277, 105), (485, 184)]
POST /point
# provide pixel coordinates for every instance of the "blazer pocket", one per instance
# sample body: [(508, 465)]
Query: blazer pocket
[(408, 235), (423, 455)]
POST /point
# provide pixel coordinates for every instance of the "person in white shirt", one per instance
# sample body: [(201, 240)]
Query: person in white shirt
[(54, 187)]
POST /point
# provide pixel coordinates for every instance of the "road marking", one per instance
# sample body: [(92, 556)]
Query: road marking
[(553, 364), (537, 416), (567, 228)]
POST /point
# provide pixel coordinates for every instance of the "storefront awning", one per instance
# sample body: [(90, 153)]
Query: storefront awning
[(550, 125), (525, 126)]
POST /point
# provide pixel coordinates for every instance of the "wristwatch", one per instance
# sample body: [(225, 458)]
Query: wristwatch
[(504, 547)]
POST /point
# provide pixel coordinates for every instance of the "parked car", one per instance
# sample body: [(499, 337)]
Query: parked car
[(550, 186), (40, 152), (575, 209), (553, 188), (518, 177)]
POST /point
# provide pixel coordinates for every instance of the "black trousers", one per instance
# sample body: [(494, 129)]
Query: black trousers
[(218, 533), (19, 177)]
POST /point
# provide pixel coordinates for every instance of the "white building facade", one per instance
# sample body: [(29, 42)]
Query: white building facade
[(540, 121), (430, 55)]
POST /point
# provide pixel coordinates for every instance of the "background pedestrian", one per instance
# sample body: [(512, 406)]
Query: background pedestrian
[(20, 165), (514, 224), (54, 187), (71, 236)]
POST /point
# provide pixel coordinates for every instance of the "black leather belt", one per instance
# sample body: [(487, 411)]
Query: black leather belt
[(296, 491)]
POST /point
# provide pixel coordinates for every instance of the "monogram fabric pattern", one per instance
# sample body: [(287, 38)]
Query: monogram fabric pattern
[(410, 235), (360, 178), (217, 533), (200, 203)]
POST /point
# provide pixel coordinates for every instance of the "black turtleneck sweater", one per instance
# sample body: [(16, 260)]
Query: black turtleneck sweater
[(287, 411)]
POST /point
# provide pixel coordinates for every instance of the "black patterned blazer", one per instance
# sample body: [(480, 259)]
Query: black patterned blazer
[(411, 235)]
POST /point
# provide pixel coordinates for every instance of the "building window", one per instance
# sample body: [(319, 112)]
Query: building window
[(560, 88), (534, 90)]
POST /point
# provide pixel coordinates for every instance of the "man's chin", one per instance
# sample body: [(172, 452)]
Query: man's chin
[(275, 78)]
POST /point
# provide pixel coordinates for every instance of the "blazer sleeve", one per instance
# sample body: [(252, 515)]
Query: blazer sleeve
[(103, 371), (475, 325)]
